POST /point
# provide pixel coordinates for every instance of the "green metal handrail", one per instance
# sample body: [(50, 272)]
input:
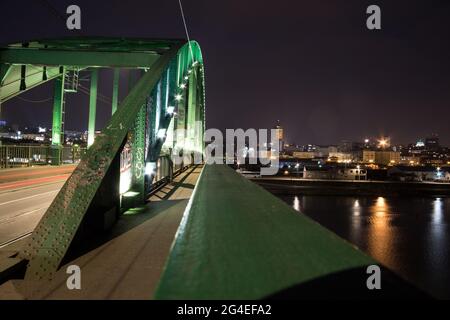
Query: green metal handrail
[(237, 241)]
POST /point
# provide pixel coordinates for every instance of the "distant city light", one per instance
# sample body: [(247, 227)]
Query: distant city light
[(383, 142), (366, 140)]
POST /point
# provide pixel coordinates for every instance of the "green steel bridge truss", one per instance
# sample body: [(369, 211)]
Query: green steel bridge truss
[(163, 114)]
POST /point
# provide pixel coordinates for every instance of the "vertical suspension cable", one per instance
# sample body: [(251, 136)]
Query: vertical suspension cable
[(186, 29)]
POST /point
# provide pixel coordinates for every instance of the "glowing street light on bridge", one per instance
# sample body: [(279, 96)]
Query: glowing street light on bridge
[(170, 110), (178, 97), (161, 133)]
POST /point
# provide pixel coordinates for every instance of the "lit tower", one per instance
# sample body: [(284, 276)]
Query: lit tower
[(279, 135)]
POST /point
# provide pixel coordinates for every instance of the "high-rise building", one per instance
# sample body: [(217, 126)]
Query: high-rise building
[(383, 157), (279, 134), (432, 143)]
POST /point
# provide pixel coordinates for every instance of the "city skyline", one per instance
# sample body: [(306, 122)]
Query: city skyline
[(327, 78), (377, 140)]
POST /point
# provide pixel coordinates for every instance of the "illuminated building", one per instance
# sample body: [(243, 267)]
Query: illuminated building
[(279, 134)]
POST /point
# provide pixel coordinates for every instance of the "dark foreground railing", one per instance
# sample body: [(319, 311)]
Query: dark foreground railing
[(238, 241), (26, 156)]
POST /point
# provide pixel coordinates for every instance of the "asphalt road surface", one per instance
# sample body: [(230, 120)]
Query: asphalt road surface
[(20, 210), (24, 197)]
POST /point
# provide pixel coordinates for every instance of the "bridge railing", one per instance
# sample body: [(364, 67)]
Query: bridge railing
[(25, 156), (166, 170), (238, 241)]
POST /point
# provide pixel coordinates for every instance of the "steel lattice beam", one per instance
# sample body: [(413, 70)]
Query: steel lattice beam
[(92, 107), (57, 110), (77, 58), (115, 94)]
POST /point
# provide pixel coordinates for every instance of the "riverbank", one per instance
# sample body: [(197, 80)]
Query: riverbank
[(288, 185)]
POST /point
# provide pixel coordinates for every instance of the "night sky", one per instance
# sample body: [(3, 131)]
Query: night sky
[(311, 64)]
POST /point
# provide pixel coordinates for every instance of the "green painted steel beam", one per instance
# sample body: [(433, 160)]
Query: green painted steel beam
[(138, 155), (34, 77), (115, 93), (78, 58), (92, 107), (238, 241), (58, 100), (192, 111), (4, 69), (102, 43)]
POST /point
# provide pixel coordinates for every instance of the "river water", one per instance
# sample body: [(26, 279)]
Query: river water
[(411, 236)]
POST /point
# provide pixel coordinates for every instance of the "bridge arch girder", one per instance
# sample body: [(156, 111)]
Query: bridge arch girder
[(91, 195)]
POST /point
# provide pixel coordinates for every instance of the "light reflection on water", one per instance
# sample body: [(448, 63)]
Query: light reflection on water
[(409, 235), (296, 204)]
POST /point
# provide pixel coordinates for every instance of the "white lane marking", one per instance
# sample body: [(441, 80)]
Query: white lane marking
[(22, 214), (23, 236), (31, 187), (29, 197)]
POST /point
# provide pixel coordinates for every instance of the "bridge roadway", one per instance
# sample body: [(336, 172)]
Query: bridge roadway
[(128, 263), (25, 194)]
